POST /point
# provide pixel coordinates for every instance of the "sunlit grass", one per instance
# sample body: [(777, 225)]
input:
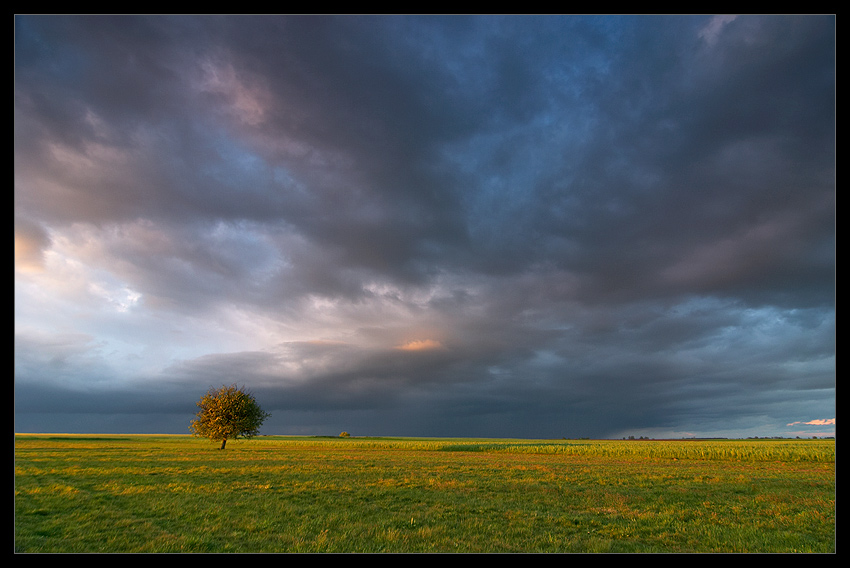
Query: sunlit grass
[(280, 494)]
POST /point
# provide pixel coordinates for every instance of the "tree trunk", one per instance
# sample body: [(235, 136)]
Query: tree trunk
[(223, 442)]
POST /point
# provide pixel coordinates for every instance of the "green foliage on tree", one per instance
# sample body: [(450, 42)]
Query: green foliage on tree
[(228, 413)]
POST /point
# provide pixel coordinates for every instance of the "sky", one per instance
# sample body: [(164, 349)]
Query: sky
[(519, 226)]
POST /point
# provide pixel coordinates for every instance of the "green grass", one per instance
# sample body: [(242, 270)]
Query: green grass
[(281, 494)]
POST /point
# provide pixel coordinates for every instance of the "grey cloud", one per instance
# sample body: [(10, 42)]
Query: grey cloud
[(578, 209)]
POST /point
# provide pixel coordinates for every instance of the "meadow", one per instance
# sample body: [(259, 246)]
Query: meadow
[(132, 493)]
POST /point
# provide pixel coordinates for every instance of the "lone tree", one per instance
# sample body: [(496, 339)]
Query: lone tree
[(228, 413)]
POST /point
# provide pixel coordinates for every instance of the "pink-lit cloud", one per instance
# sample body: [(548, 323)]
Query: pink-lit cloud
[(817, 422), (421, 345)]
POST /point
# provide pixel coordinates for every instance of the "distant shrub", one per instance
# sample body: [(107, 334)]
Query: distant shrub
[(344, 435)]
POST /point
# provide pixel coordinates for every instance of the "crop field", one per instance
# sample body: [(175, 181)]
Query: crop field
[(128, 493)]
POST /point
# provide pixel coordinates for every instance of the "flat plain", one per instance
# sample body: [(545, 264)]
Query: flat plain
[(147, 493)]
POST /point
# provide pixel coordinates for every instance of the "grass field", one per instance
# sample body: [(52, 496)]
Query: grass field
[(124, 493)]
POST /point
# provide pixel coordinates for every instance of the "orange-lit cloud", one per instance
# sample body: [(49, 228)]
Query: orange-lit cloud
[(817, 422), (28, 256), (30, 242), (421, 345)]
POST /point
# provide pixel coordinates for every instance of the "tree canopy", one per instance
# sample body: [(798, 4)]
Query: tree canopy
[(228, 413)]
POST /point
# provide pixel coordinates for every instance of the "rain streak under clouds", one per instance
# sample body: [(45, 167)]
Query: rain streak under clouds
[(437, 226)]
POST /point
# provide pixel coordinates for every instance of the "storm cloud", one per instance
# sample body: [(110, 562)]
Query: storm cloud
[(463, 226)]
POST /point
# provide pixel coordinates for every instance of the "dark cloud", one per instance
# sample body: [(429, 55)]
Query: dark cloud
[(480, 225)]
